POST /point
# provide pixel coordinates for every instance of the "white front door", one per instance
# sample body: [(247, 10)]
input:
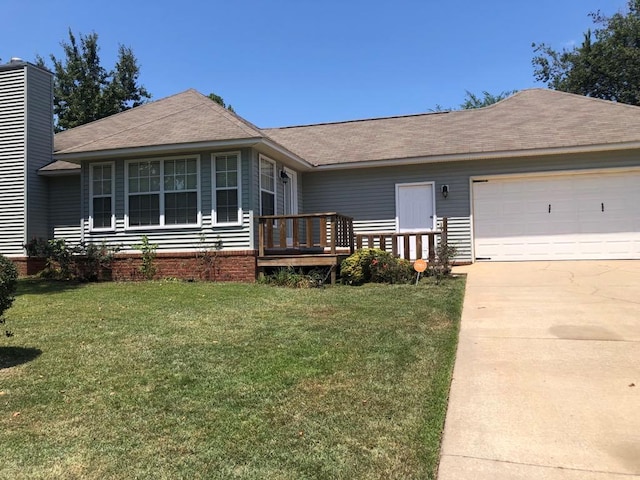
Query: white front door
[(290, 201), (415, 211)]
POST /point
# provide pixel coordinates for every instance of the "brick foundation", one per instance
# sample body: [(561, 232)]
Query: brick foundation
[(29, 266), (231, 266)]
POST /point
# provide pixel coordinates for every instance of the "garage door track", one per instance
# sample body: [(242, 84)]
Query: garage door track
[(547, 377)]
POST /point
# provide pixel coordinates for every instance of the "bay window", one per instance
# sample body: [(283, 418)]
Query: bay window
[(163, 192)]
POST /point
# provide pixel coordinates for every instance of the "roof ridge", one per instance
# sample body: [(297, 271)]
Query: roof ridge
[(373, 119)]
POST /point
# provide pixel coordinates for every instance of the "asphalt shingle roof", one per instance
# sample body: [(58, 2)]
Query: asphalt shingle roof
[(188, 117), (529, 120)]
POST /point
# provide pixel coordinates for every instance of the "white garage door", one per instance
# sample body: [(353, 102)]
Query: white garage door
[(564, 217)]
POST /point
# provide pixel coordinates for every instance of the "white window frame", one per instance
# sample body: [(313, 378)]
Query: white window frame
[(162, 192), (214, 190), (112, 195), (275, 183)]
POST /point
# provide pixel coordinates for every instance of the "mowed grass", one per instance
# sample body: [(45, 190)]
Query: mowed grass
[(170, 380)]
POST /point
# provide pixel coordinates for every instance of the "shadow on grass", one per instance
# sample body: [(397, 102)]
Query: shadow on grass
[(34, 286), (14, 356)]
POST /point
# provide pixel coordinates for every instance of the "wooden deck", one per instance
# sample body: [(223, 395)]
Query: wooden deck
[(326, 239), (307, 240)]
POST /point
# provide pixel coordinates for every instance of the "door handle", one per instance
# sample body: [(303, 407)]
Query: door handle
[(549, 208), (602, 206)]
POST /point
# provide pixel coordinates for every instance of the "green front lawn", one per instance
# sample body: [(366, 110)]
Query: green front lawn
[(169, 380)]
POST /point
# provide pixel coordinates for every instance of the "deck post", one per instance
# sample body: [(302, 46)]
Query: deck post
[(419, 245), (309, 228), (323, 231), (282, 226), (445, 230), (334, 234), (394, 245), (432, 249), (261, 238), (351, 246), (269, 233), (296, 233)]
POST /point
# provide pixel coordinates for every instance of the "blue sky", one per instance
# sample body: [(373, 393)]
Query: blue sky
[(290, 62)]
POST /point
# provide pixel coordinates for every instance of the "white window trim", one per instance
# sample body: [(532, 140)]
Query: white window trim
[(113, 198), (214, 189), (275, 182), (162, 193)]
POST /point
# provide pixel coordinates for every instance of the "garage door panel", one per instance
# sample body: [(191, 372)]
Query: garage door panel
[(560, 217)]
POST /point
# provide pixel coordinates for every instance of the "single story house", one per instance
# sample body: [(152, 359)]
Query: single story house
[(542, 175)]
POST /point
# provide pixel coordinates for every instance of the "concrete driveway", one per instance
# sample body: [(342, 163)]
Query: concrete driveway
[(547, 376)]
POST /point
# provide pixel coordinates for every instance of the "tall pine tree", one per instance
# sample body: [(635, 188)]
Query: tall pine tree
[(84, 90)]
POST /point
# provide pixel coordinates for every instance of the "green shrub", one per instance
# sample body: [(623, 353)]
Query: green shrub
[(82, 262), (289, 277), (8, 284), (147, 267), (374, 265), (441, 266)]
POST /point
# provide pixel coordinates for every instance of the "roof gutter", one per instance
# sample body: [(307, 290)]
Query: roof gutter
[(459, 157)]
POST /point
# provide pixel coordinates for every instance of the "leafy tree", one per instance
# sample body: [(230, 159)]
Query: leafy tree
[(473, 101), (84, 90), (607, 63), (220, 101)]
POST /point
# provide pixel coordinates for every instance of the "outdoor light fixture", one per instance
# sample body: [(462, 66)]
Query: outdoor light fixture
[(445, 191), (283, 176)]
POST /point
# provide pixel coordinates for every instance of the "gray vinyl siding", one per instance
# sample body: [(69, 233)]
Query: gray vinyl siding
[(39, 143), (254, 182), (368, 194), (179, 238), (26, 141), (12, 161), (64, 208)]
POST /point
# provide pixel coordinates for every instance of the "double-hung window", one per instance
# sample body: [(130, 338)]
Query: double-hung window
[(101, 213), (267, 186), (226, 178), (163, 192), (181, 191)]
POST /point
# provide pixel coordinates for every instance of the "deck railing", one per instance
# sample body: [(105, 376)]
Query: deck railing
[(403, 244), (319, 232)]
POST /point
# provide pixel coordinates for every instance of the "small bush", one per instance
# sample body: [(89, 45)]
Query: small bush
[(377, 266), (8, 284), (82, 262), (147, 268), (441, 266)]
